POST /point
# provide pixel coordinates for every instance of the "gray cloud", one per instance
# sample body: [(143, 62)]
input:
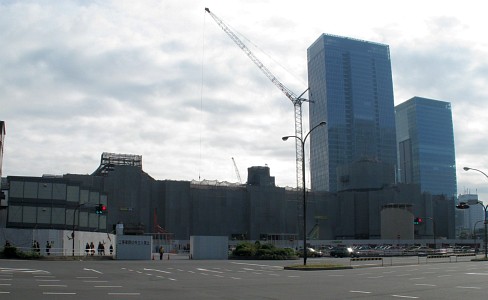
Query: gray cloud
[(83, 77)]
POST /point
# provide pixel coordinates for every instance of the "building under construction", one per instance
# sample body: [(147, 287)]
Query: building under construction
[(176, 210)]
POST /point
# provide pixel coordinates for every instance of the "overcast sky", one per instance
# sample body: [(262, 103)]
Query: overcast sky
[(160, 79)]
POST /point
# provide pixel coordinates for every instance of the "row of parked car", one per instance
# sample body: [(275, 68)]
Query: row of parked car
[(384, 250)]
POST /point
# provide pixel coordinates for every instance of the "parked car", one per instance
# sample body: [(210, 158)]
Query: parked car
[(341, 252), (365, 251), (419, 250), (311, 252)]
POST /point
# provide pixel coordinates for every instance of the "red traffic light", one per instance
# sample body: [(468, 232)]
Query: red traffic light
[(100, 209)]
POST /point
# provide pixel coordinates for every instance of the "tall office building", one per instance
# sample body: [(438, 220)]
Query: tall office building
[(351, 88), (426, 145)]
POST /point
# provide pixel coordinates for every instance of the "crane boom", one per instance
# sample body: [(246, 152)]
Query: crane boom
[(296, 100), (237, 171)]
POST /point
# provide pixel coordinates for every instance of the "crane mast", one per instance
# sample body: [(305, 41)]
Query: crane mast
[(296, 100)]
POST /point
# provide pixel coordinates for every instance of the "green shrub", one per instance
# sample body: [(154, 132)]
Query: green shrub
[(9, 252), (13, 252), (262, 251)]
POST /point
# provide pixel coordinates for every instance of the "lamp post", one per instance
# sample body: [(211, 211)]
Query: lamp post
[(304, 188), (73, 233), (464, 205), (474, 235), (433, 224), (485, 207)]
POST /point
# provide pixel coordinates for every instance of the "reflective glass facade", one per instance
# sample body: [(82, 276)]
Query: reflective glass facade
[(426, 145), (351, 88)]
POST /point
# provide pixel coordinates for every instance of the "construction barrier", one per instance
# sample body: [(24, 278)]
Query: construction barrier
[(439, 256), (450, 256), (366, 259)]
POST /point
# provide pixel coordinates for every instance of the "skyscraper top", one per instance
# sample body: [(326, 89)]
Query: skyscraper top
[(352, 90)]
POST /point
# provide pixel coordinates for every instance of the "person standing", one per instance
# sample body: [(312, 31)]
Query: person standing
[(161, 252), (48, 247)]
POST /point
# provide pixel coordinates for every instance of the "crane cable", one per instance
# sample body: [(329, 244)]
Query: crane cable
[(201, 98)]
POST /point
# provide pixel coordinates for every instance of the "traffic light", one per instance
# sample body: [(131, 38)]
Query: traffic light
[(417, 221), (100, 209)]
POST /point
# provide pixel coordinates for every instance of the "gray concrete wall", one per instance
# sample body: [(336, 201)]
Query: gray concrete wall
[(209, 247), (134, 247)]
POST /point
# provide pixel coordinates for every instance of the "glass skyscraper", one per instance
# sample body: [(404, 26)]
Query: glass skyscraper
[(351, 89), (426, 145)]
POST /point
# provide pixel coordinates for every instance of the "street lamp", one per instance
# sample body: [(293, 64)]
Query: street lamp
[(73, 233), (304, 189), (464, 205), (102, 208), (433, 223), (474, 235), (485, 207)]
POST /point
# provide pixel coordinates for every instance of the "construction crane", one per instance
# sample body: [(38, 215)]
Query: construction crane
[(296, 100), (237, 171)]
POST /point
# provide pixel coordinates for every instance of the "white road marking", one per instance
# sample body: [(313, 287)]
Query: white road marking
[(57, 293), (52, 285), (22, 270), (125, 294), (207, 270), (156, 270), (48, 280), (258, 265), (477, 273), (108, 286), (402, 296), (469, 287), (360, 292), (425, 284), (92, 270)]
